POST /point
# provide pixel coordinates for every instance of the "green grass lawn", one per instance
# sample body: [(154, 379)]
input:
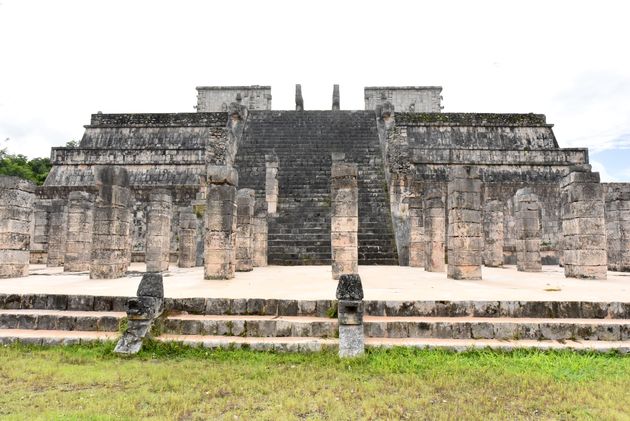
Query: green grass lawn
[(171, 382)]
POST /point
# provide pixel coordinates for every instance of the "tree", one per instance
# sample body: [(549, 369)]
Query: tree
[(35, 170)]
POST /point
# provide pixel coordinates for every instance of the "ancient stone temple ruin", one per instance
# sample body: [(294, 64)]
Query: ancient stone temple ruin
[(431, 187)]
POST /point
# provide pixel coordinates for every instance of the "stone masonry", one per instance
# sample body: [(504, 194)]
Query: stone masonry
[(583, 225), (416, 231), (344, 219), (112, 225), (16, 213), (435, 230), (39, 239), (493, 221), (187, 243), (260, 231), (465, 233), (158, 237), (271, 182), (220, 223), (78, 251), (528, 231), (57, 228), (244, 230), (618, 226)]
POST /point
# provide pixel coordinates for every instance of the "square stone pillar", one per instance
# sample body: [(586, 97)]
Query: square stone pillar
[(493, 221), (187, 243), (260, 235), (39, 239), (158, 235), (465, 231), (245, 199), (112, 225), (57, 229), (350, 315), (528, 231), (618, 226), (583, 225), (79, 232), (271, 183), (435, 230), (220, 223), (416, 231), (16, 213), (344, 219)]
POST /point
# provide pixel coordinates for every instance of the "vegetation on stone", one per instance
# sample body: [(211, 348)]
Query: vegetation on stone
[(35, 170)]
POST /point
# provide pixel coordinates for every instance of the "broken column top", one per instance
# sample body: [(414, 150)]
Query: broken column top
[(245, 194), (113, 176), (299, 101), (465, 171), (349, 287), (151, 285), (344, 169), (335, 104), (222, 174), (79, 195)]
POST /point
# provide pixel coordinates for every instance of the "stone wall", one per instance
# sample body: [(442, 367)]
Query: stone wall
[(617, 210), (218, 98), (16, 213), (419, 99)]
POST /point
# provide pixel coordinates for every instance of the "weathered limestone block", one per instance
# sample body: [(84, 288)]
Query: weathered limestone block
[(493, 221), (260, 233), (79, 232), (57, 229), (112, 225), (350, 315), (16, 213), (187, 234), (528, 231), (245, 199), (335, 101), (220, 225), (617, 212), (417, 255), (344, 219), (465, 231), (299, 100), (435, 230), (158, 236), (271, 183), (39, 239), (583, 225)]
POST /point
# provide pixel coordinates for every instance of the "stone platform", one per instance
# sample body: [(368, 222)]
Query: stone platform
[(380, 283)]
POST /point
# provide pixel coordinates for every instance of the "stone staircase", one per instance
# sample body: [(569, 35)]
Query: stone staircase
[(305, 325), (304, 142)]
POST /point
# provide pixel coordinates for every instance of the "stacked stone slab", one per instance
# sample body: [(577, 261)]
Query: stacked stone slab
[(493, 220), (416, 231), (260, 233), (79, 232), (112, 225), (57, 229), (16, 213), (39, 239), (618, 226), (245, 199), (271, 182), (465, 231), (435, 230), (187, 243), (220, 223), (344, 219), (158, 237), (528, 231), (583, 225)]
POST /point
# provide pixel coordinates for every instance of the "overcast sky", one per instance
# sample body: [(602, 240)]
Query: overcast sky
[(62, 60)]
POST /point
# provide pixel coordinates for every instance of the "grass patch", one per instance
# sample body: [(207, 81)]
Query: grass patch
[(170, 381)]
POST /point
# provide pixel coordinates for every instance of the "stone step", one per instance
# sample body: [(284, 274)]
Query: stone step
[(54, 337), (103, 321)]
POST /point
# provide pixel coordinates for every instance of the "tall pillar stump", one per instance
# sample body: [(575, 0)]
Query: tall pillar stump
[(112, 225), (79, 232), (187, 244), (465, 233), (493, 220), (344, 219), (618, 226), (57, 229), (244, 230), (260, 234), (583, 225), (158, 235), (528, 231), (416, 231), (435, 230), (16, 213)]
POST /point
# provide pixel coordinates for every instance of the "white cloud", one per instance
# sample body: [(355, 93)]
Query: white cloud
[(604, 176)]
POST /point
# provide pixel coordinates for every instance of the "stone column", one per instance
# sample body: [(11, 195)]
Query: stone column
[(158, 235), (261, 229), (187, 234), (350, 315), (16, 213), (528, 231), (493, 233), (435, 230), (220, 223), (299, 100), (344, 219), (57, 228), (465, 233), (39, 239), (271, 183), (416, 232), (583, 225), (79, 233), (336, 101), (112, 225), (245, 199), (618, 226)]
